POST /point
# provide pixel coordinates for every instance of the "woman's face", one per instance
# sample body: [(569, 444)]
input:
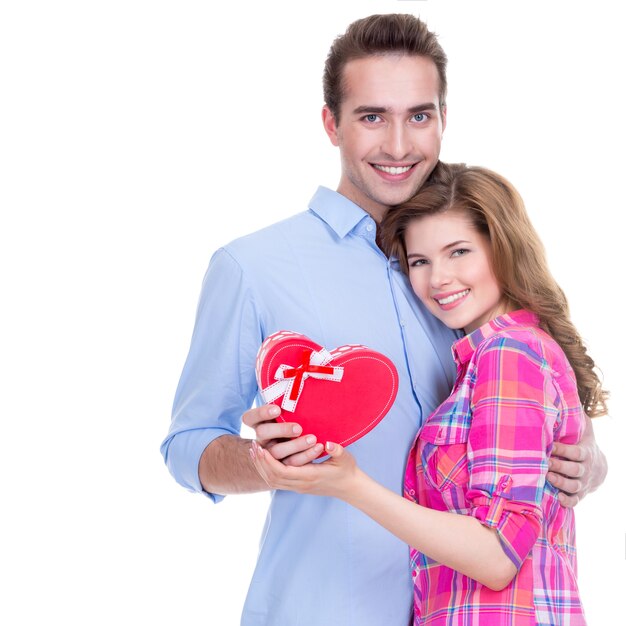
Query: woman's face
[(451, 272)]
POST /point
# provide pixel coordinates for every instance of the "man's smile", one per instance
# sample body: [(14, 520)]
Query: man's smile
[(393, 169)]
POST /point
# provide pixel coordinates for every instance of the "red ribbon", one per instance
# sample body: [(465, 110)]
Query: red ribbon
[(305, 367)]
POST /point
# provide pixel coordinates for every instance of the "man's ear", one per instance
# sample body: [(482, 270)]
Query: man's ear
[(330, 125)]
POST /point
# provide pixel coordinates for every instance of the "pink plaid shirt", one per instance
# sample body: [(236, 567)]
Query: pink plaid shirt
[(484, 452)]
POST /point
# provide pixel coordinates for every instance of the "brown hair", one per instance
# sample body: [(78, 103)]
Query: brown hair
[(496, 209), (394, 33)]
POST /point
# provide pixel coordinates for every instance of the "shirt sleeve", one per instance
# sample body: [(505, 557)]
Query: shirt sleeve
[(515, 406), (218, 381)]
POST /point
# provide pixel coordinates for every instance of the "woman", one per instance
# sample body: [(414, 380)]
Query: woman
[(490, 543)]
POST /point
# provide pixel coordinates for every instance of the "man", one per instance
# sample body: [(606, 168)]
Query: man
[(321, 273)]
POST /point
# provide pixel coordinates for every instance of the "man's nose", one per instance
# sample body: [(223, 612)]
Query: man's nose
[(397, 141)]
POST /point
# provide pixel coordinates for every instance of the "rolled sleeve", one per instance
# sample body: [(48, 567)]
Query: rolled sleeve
[(218, 382), (514, 407), (518, 525), (182, 453)]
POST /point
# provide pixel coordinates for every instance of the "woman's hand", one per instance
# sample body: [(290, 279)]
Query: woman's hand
[(334, 477)]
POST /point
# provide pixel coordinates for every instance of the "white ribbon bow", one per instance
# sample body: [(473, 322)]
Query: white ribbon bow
[(283, 386)]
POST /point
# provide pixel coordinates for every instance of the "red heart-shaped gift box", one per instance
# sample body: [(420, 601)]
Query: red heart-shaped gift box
[(337, 395)]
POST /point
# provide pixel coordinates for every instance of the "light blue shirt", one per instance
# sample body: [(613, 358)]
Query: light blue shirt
[(319, 273)]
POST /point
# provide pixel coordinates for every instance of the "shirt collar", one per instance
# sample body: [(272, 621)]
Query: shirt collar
[(341, 214), (464, 348)]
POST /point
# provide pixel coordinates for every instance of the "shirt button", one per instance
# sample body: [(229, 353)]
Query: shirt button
[(504, 484), (369, 228)]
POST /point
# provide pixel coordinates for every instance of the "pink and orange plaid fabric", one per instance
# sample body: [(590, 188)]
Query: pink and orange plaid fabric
[(484, 452)]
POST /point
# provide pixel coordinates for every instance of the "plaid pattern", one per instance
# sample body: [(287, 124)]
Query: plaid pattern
[(484, 452)]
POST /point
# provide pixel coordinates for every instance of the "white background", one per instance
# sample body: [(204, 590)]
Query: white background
[(135, 138)]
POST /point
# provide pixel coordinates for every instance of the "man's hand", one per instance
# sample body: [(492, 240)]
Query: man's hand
[(577, 470), (225, 465), (282, 440)]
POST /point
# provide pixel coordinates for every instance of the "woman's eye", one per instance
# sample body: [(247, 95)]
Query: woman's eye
[(417, 262), (460, 252)]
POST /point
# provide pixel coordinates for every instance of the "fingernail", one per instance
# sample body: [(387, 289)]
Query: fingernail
[(274, 411), (310, 439), (330, 446), (297, 429)]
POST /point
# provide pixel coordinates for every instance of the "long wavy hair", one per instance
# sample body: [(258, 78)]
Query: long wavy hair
[(496, 209)]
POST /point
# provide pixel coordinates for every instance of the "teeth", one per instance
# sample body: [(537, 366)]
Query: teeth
[(453, 297), (393, 170)]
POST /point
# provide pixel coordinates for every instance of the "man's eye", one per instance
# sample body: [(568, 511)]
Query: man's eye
[(372, 117), (420, 117)]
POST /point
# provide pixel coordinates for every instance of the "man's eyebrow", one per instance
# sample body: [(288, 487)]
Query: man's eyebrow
[(427, 106), (418, 108), (369, 109)]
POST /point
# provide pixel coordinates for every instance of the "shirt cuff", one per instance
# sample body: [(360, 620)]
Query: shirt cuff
[(182, 454), (518, 524)]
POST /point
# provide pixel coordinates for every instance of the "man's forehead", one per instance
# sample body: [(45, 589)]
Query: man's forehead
[(415, 65), (390, 82)]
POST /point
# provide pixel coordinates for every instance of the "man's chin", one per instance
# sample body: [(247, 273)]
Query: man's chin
[(398, 196)]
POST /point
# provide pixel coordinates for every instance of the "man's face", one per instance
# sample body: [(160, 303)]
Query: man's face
[(390, 128)]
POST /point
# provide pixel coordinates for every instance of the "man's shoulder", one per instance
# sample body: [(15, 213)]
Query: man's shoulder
[(275, 241), (327, 213), (272, 232)]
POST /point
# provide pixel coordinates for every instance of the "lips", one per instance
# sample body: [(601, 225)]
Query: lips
[(394, 170), (449, 300), (394, 173)]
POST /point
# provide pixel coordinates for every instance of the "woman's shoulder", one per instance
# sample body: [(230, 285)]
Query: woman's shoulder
[(527, 339)]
